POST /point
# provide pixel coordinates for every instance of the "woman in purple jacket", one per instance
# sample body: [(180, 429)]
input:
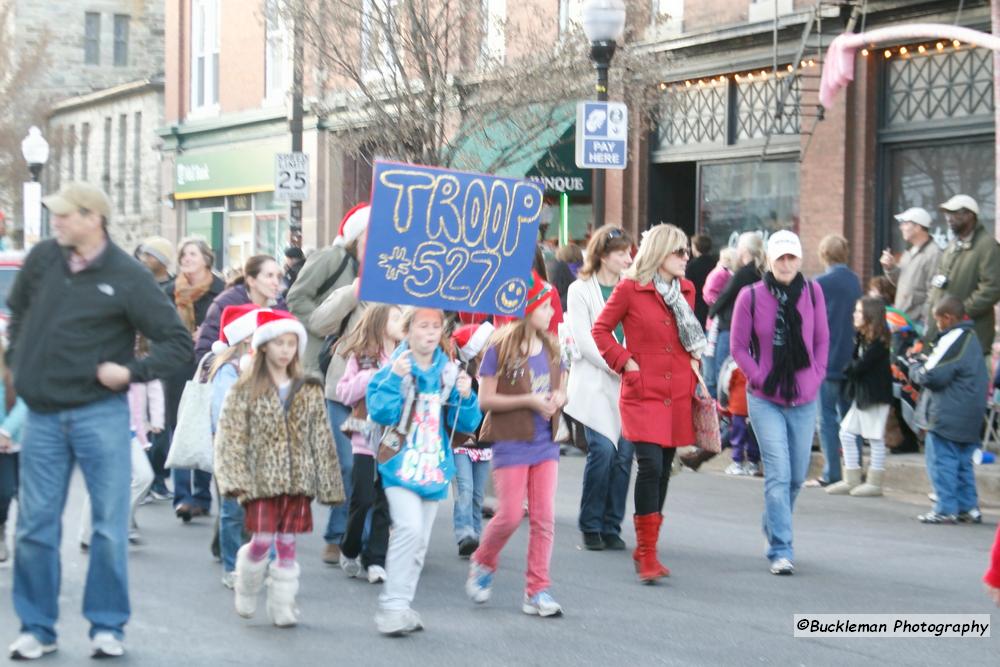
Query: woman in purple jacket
[(780, 341)]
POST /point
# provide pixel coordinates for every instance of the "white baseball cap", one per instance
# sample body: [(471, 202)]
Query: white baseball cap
[(915, 215), (959, 202), (783, 243)]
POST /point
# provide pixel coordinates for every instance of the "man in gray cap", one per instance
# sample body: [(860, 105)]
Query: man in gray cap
[(75, 309), (913, 272), (969, 270)]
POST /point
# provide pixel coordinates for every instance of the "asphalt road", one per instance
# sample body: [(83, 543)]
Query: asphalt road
[(720, 607)]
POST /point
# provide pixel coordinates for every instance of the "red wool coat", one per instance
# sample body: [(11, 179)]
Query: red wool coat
[(656, 400)]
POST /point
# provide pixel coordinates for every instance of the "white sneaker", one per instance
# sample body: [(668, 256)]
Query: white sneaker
[(394, 623), (376, 575), (229, 580), (106, 645), (27, 647), (782, 566), (541, 604), (350, 566), (736, 469), (751, 469)]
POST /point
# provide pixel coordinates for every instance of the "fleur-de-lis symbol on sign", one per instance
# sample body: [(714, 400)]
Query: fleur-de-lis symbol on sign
[(396, 264)]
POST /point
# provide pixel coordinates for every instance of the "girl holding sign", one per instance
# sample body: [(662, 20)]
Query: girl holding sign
[(420, 397), (521, 383)]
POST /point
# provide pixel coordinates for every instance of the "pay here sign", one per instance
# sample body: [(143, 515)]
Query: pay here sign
[(449, 239)]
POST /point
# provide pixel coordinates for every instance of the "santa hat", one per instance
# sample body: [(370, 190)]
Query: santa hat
[(353, 225), (471, 339), (274, 323), (235, 326), (539, 292)]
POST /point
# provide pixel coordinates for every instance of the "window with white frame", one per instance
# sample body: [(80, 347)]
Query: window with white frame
[(493, 45), (378, 28), (121, 39), (204, 54), (277, 62), (92, 38)]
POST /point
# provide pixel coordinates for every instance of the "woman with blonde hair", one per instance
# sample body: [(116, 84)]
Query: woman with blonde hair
[(593, 390), (664, 343)]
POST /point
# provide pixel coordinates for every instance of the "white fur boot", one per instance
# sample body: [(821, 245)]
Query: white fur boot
[(282, 587), (249, 580)]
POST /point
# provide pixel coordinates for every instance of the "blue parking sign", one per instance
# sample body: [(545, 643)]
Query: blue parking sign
[(601, 135)]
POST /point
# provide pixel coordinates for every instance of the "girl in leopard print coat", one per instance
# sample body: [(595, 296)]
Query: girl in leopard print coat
[(274, 451)]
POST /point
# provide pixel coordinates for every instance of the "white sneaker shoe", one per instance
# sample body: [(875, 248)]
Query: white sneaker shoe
[(736, 469), (541, 604), (27, 647), (782, 566), (106, 645), (376, 574), (394, 622), (229, 580), (350, 566)]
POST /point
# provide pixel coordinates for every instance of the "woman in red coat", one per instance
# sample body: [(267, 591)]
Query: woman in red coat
[(663, 344)]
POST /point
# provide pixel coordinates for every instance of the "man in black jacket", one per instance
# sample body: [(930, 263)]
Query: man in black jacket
[(76, 307)]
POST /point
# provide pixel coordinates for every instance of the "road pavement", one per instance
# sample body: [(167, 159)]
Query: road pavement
[(720, 607)]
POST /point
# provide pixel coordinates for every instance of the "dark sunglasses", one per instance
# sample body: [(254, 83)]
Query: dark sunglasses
[(683, 252)]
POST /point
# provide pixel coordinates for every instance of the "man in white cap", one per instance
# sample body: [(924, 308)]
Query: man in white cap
[(324, 298), (969, 270), (913, 272)]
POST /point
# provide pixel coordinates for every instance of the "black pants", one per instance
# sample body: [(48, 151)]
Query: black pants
[(653, 476), (366, 492), (8, 484)]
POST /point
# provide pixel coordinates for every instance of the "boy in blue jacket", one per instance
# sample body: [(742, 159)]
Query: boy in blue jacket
[(954, 384)]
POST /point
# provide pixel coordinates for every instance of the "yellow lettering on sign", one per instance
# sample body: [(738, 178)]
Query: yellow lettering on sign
[(412, 188)]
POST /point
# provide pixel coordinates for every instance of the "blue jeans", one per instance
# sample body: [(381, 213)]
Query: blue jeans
[(721, 354), (199, 496), (605, 484), (337, 523), (97, 437), (470, 486), (833, 407), (230, 532), (784, 435), (950, 470)]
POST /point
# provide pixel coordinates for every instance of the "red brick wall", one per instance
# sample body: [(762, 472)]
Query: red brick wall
[(241, 55), (708, 13), (175, 36)]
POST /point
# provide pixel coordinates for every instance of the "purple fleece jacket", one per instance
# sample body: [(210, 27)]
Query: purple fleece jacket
[(815, 333)]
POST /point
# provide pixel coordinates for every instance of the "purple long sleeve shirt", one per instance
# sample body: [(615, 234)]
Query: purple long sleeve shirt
[(815, 333)]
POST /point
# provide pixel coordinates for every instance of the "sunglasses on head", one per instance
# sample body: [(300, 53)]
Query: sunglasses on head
[(613, 234)]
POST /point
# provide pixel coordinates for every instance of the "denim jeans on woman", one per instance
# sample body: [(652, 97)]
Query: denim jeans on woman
[(833, 406), (97, 437), (471, 478), (605, 484), (336, 524), (784, 434)]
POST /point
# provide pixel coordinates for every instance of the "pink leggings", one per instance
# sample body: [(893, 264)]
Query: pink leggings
[(284, 544), (513, 484)]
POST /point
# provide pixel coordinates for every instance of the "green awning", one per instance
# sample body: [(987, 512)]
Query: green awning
[(511, 145)]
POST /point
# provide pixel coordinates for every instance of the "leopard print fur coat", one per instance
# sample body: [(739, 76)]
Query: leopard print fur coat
[(262, 452)]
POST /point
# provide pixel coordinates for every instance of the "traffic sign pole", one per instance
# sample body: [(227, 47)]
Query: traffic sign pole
[(601, 53)]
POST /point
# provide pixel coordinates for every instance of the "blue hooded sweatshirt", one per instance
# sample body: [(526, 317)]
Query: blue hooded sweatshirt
[(425, 465)]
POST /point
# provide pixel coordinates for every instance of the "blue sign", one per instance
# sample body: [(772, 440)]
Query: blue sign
[(601, 135), (449, 239)]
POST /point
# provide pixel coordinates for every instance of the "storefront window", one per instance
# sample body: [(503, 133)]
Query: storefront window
[(928, 175), (736, 197), (239, 239)]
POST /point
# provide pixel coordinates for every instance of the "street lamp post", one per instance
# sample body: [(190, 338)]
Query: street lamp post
[(35, 151), (603, 23)]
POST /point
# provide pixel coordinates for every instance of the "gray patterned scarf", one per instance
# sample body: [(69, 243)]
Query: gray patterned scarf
[(692, 335)]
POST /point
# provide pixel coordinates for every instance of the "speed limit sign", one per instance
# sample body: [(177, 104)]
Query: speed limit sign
[(291, 176)]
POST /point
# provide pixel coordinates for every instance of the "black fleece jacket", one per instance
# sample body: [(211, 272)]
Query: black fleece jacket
[(62, 325)]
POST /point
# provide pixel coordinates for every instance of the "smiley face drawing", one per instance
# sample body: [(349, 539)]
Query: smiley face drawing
[(511, 295)]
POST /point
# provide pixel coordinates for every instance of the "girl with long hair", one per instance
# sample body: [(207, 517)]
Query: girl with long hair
[(274, 452), (869, 387), (521, 381)]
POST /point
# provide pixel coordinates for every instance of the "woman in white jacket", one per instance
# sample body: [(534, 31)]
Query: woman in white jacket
[(593, 393)]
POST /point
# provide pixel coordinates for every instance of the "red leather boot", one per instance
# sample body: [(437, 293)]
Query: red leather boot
[(647, 530)]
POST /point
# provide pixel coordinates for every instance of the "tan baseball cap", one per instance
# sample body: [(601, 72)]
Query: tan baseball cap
[(958, 202), (78, 195)]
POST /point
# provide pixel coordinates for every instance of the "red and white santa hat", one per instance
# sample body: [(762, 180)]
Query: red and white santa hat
[(353, 225), (274, 323), (236, 324), (470, 339)]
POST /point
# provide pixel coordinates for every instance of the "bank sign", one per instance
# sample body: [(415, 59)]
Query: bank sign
[(601, 135)]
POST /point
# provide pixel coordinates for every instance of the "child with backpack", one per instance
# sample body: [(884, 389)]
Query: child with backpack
[(869, 387), (367, 349), (274, 452), (420, 398), (521, 384)]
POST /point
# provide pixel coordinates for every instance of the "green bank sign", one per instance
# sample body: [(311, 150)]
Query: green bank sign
[(238, 170)]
